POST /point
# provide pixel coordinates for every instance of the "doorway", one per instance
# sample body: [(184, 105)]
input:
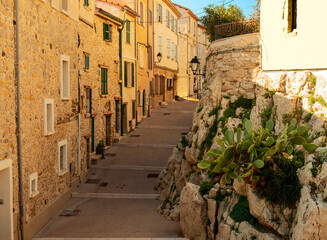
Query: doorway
[(108, 130), (6, 218), (125, 122), (92, 134), (144, 103)]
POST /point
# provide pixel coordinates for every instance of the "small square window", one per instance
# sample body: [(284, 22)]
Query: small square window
[(32, 180), (86, 3), (62, 157), (86, 61), (107, 32)]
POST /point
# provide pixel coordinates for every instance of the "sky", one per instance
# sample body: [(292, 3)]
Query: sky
[(197, 5)]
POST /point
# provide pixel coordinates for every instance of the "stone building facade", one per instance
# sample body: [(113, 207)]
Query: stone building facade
[(8, 146), (188, 49), (66, 49), (165, 43)]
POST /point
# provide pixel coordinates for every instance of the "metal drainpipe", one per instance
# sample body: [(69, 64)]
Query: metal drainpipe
[(19, 146), (148, 72), (121, 74), (136, 57)]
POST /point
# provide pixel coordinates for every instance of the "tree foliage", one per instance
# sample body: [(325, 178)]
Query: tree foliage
[(221, 21), (217, 15)]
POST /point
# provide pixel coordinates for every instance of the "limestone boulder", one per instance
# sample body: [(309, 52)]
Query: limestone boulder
[(311, 218), (193, 213), (246, 232)]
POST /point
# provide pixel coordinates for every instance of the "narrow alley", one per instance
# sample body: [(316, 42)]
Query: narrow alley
[(117, 198)]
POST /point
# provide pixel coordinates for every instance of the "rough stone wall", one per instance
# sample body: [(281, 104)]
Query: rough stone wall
[(8, 142), (45, 35), (232, 72), (101, 54)]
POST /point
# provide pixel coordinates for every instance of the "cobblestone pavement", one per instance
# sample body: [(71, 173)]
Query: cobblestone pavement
[(117, 198)]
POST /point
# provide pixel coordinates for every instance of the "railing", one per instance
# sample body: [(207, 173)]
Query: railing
[(236, 28)]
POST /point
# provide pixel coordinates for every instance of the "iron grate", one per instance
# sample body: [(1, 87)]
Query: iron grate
[(103, 184), (69, 213), (153, 175), (92, 181), (135, 136), (111, 154)]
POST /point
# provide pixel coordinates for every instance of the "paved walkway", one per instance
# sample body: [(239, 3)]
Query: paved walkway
[(117, 199)]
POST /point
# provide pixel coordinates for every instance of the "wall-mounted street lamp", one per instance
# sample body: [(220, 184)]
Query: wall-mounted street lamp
[(195, 64), (159, 57)]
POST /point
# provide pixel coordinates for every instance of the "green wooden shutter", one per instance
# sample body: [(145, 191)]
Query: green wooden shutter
[(87, 62), (104, 81), (86, 3), (134, 109), (133, 80), (105, 31), (128, 31), (90, 100), (125, 73)]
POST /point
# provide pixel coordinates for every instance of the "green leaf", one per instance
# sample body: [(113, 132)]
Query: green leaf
[(239, 135), (219, 166), (290, 149), (298, 140), (310, 147), (246, 144), (230, 137), (293, 121), (264, 134), (286, 155), (259, 163), (302, 130), (251, 148), (270, 152), (228, 153), (248, 125), (257, 141), (239, 178), (270, 141), (255, 178), (228, 179), (290, 128), (232, 165), (293, 133), (270, 125), (214, 153), (298, 164), (247, 174), (204, 164), (220, 143), (232, 175)]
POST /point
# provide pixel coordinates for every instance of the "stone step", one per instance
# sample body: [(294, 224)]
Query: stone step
[(116, 195), (110, 238)]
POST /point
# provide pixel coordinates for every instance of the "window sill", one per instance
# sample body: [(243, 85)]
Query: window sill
[(63, 172), (65, 12), (291, 34), (34, 194), (49, 133), (86, 70), (65, 99), (104, 95)]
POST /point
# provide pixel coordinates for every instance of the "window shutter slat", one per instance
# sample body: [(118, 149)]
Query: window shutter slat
[(132, 74), (125, 73)]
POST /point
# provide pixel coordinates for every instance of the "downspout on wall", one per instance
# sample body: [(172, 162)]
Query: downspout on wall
[(18, 122), (121, 74), (136, 66)]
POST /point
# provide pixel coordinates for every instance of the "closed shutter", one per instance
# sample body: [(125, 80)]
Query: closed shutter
[(105, 32), (128, 31), (125, 74), (104, 81), (133, 75)]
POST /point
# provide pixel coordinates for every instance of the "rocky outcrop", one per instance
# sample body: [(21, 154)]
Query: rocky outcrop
[(233, 73)]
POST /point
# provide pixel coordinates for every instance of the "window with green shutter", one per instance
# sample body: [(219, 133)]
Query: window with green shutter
[(134, 109), (86, 3), (104, 81), (125, 74), (133, 75), (128, 31), (106, 32), (87, 61)]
